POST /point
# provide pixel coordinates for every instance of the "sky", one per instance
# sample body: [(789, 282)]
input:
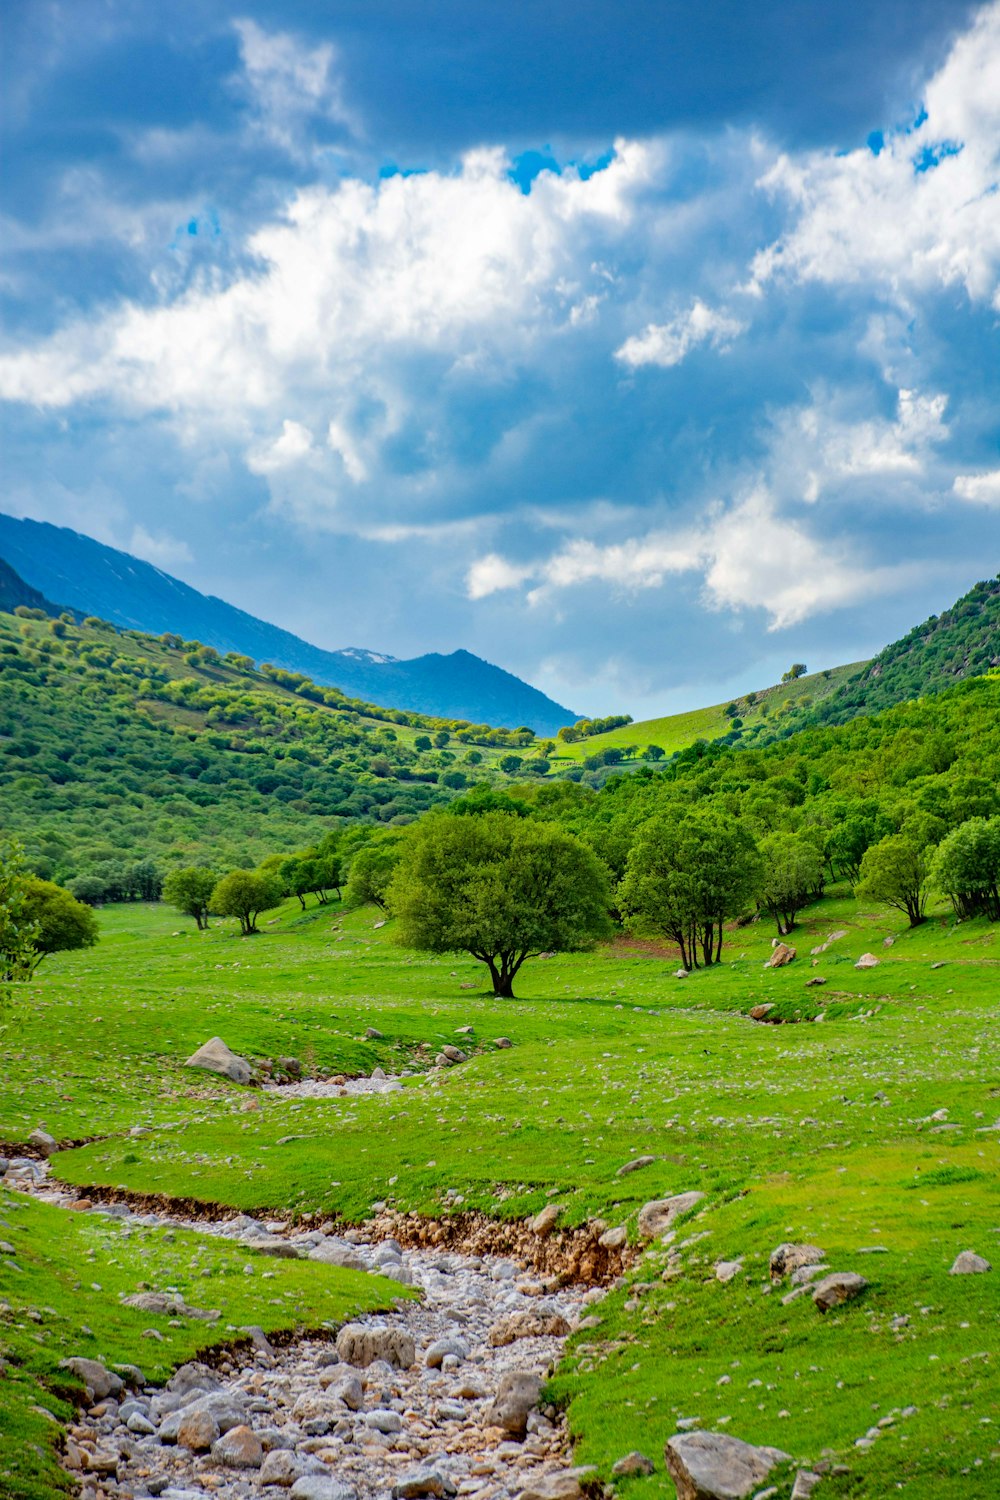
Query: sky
[(642, 348)]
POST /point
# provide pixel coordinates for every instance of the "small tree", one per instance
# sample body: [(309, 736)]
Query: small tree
[(894, 872), (245, 894), (685, 879), (796, 670), (190, 890), (60, 921), (654, 752), (791, 872), (501, 888)]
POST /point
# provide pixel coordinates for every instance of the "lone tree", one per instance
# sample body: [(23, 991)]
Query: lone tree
[(245, 894), (60, 921), (684, 879), (502, 888), (190, 890), (894, 872), (372, 870), (791, 876), (795, 671)]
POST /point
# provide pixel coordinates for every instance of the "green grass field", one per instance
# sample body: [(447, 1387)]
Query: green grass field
[(678, 731), (818, 1131)]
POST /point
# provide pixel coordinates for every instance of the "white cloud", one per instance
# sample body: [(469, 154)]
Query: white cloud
[(825, 445), (288, 82), (491, 574), (924, 212), (294, 443), (979, 489), (666, 344), (161, 550)]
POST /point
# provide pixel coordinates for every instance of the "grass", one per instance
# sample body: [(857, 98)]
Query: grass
[(819, 1131), (678, 731)]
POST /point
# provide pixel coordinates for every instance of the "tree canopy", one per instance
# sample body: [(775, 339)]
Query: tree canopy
[(245, 894)]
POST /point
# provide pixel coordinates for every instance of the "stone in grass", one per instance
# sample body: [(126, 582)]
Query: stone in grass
[(517, 1395), (781, 955), (359, 1345), (715, 1466), (867, 961), (968, 1263), (728, 1270), (786, 1258), (543, 1223), (503, 1042), (633, 1463), (43, 1142), (657, 1217), (635, 1165), (99, 1381), (239, 1448), (837, 1288), (565, 1484), (216, 1057)]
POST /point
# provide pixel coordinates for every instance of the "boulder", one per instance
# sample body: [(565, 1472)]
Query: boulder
[(786, 1258), (358, 1344), (657, 1217), (197, 1429), (867, 961), (517, 1395), (968, 1263), (454, 1054), (715, 1466), (321, 1487), (239, 1448), (635, 1165), (334, 1252), (503, 1042), (781, 955), (421, 1482), (527, 1325), (442, 1348), (564, 1484), (633, 1463), (216, 1057), (100, 1382), (760, 1012), (544, 1222), (837, 1288), (614, 1239), (43, 1142)]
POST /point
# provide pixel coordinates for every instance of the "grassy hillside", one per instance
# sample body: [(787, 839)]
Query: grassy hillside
[(677, 731)]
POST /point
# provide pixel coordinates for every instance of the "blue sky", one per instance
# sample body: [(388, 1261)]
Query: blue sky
[(640, 348)]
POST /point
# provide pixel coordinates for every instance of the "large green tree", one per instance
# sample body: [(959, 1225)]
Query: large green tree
[(684, 879), (372, 869), (499, 887), (967, 868), (894, 872), (190, 890), (245, 894), (791, 875), (60, 921)]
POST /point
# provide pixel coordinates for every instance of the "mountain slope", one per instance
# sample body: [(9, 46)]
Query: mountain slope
[(115, 586), (16, 594)]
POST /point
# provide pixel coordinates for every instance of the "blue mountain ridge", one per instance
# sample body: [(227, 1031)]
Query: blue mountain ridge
[(100, 580)]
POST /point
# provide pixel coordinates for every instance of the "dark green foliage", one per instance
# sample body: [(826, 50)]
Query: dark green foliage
[(190, 890), (894, 872), (245, 894), (791, 876), (372, 869), (501, 888), (967, 868), (60, 921)]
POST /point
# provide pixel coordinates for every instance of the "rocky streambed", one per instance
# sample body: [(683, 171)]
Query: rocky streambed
[(440, 1397)]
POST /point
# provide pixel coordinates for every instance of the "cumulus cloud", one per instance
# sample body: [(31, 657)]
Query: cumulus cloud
[(666, 344), (979, 489)]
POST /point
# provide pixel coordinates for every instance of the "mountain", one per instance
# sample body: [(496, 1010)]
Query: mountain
[(16, 594), (113, 585)]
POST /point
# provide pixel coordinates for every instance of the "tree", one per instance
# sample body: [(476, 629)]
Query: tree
[(17, 929), (796, 670), (372, 869), (501, 888), (441, 738), (684, 879), (245, 894), (894, 872), (511, 764), (422, 742), (190, 890), (791, 875), (967, 868), (654, 752), (60, 921), (87, 888)]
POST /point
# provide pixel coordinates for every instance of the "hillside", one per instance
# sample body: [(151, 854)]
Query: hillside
[(115, 744), (16, 594), (102, 581)]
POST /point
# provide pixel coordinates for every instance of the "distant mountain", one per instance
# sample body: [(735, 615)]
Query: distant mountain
[(16, 594), (133, 594)]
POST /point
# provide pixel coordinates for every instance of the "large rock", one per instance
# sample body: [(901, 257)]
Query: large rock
[(781, 955), (837, 1288), (528, 1325), (543, 1223), (334, 1252), (715, 1466), (43, 1142), (197, 1429), (240, 1448), (786, 1258), (968, 1263), (635, 1165), (517, 1395), (358, 1345), (657, 1217), (867, 961), (564, 1484), (99, 1381), (321, 1487), (216, 1057)]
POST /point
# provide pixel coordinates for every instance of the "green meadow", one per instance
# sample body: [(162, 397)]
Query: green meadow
[(818, 1130)]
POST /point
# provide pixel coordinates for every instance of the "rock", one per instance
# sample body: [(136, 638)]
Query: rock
[(968, 1263), (197, 1430), (383, 1420), (759, 1012), (358, 1345), (682, 973), (503, 1042), (321, 1487), (374, 1035), (780, 956), (334, 1252), (636, 1165), (564, 1484), (442, 1348), (421, 1482), (340, 1385), (517, 1395), (454, 1054), (318, 1414), (544, 1222), (100, 1382), (715, 1466), (239, 1448), (291, 1066), (527, 1325), (727, 1270), (657, 1217), (281, 1467), (215, 1057), (838, 1287), (614, 1239), (633, 1463), (805, 1482), (42, 1141), (867, 961), (786, 1258), (816, 979)]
